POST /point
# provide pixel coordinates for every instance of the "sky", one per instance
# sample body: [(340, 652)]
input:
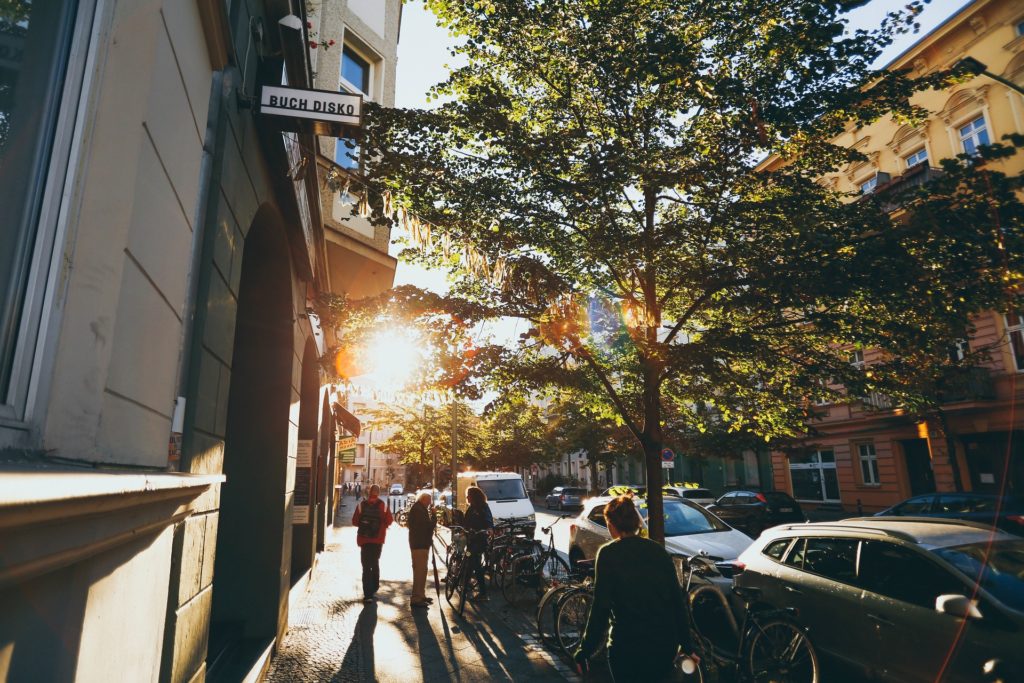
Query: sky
[(424, 57)]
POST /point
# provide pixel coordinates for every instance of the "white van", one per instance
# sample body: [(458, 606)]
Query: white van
[(506, 494)]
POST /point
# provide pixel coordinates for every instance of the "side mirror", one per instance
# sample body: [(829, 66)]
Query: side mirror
[(729, 569), (958, 606)]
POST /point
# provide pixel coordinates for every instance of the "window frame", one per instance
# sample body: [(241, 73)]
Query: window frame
[(869, 184), (871, 460), (970, 121), (349, 42), (34, 342)]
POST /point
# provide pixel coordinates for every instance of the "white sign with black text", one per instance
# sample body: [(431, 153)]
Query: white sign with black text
[(320, 105)]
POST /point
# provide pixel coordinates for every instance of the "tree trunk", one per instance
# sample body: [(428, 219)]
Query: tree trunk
[(652, 442)]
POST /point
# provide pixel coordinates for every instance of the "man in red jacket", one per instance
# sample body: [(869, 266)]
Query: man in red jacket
[(371, 519)]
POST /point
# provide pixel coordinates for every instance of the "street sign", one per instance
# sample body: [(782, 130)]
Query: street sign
[(667, 464), (667, 455), (346, 442)]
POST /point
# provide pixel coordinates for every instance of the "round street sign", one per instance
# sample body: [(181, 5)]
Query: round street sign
[(667, 455)]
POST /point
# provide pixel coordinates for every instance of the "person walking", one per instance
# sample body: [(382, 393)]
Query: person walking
[(421, 525), (478, 521), (636, 589), (371, 519)]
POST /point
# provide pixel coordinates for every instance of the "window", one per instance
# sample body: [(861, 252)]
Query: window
[(868, 186), (953, 503), (1020, 28), (973, 135), (833, 558), (355, 70), (814, 476), (915, 506), (1015, 331), (776, 549), (796, 555), (918, 157), (502, 489), (868, 463), (355, 79), (857, 360), (597, 516), (960, 349), (903, 574), (40, 78)]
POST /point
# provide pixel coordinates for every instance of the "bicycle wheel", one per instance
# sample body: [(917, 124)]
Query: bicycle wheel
[(779, 650), (452, 579), (520, 584), (554, 569), (466, 586), (571, 620), (712, 621), (547, 611)]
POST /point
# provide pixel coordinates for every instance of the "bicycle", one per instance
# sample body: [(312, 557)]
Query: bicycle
[(461, 581), (530, 573), (770, 645)]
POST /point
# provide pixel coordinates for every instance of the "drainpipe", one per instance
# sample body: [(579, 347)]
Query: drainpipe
[(208, 173)]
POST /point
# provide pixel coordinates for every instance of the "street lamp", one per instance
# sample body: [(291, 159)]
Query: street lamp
[(970, 65)]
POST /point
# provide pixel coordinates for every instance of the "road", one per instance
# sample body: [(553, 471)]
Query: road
[(561, 529)]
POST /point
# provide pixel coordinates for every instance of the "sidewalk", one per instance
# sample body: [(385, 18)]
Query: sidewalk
[(333, 636)]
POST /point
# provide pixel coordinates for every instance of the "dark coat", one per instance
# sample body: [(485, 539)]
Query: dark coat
[(421, 527)]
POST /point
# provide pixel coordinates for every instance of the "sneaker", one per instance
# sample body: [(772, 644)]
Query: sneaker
[(430, 601)]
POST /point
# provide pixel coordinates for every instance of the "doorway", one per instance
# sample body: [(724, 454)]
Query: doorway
[(919, 466), (250, 566)]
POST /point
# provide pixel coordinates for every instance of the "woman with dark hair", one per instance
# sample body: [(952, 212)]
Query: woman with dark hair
[(478, 521), (636, 589)]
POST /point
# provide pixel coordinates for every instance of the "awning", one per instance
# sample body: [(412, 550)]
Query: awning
[(347, 420)]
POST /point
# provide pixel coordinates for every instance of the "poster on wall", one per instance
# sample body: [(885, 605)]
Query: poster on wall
[(303, 481)]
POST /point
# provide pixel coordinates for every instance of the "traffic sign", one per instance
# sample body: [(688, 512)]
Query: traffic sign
[(667, 464), (667, 455)]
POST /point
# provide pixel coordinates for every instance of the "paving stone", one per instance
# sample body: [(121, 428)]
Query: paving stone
[(334, 637)]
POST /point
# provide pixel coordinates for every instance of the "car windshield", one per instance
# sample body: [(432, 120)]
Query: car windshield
[(574, 492), (697, 493), (502, 489), (1002, 575), (682, 519)]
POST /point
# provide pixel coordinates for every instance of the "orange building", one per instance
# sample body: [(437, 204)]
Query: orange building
[(869, 454)]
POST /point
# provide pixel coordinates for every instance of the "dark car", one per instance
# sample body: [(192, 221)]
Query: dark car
[(754, 511), (907, 599), (562, 497), (974, 507)]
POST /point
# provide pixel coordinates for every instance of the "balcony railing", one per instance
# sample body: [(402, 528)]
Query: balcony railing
[(876, 401), (896, 193), (967, 384)]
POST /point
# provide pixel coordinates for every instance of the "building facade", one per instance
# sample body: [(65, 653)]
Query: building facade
[(166, 435), (869, 454)]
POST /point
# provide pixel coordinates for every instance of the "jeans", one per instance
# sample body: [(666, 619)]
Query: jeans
[(369, 555)]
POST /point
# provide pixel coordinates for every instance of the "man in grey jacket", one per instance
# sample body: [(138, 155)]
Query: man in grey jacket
[(421, 536)]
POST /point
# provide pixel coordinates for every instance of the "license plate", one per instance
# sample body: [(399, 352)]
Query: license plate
[(785, 509)]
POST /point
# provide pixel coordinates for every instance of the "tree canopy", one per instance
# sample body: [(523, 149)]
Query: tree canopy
[(595, 170)]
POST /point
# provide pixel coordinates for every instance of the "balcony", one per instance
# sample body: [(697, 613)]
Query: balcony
[(876, 401), (966, 384), (895, 193)]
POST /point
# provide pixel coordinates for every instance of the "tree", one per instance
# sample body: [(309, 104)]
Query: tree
[(515, 434), (421, 429), (577, 425), (595, 164)]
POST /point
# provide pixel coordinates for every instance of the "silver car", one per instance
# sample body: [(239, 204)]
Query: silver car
[(689, 530), (902, 599), (562, 497)]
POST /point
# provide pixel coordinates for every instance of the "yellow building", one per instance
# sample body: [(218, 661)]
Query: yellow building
[(869, 455)]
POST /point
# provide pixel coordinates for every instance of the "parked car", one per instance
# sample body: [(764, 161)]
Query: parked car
[(700, 496), (885, 598), (975, 507), (754, 511), (689, 529), (396, 490), (562, 497), (505, 491)]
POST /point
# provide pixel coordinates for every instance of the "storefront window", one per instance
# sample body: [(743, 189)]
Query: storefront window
[(35, 44), (814, 476)]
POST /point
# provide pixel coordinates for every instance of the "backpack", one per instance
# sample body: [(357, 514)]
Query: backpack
[(370, 519)]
